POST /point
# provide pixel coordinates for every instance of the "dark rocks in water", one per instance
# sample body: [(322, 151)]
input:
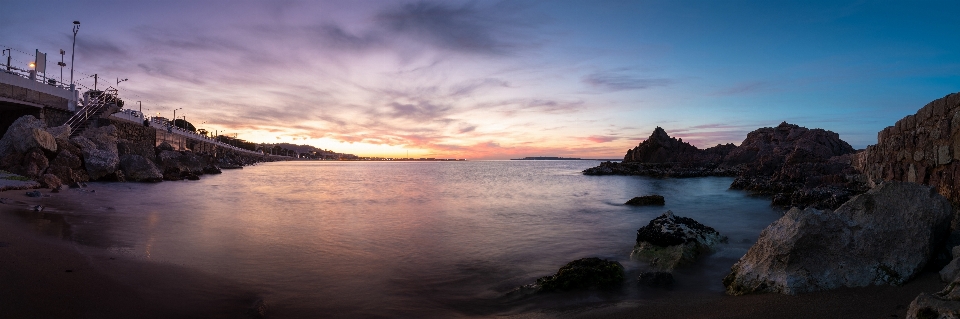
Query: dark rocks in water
[(655, 279), (670, 241), (212, 169), (798, 166), (583, 273), (884, 236), (646, 200), (34, 194), (191, 176)]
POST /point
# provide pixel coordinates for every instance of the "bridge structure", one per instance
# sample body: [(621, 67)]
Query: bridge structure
[(23, 92)]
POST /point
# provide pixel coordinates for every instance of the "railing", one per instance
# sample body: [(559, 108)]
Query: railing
[(91, 108), (159, 124), (8, 65)]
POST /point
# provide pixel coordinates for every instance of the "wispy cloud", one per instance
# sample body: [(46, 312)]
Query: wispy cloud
[(622, 80), (746, 88)]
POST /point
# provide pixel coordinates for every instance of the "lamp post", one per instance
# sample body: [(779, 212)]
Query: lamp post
[(76, 28), (119, 80), (175, 117)]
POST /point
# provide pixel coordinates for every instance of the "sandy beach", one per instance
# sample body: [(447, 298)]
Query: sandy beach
[(46, 276)]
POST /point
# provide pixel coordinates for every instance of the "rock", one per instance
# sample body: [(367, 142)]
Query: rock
[(139, 169), (885, 236), (646, 200), (923, 148), (33, 164), (656, 279), (661, 148), (926, 306), (50, 181), (670, 241), (583, 273), (796, 165), (165, 147), (212, 169), (191, 176), (60, 132), (100, 155), (27, 133), (34, 194)]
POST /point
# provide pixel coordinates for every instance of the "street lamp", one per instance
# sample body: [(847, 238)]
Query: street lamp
[(119, 80), (175, 117), (76, 28)]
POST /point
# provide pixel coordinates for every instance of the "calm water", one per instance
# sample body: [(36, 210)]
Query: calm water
[(423, 239)]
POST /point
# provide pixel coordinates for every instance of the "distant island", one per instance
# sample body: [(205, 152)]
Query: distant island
[(555, 158)]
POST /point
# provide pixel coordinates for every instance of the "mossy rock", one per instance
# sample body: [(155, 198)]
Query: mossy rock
[(584, 273)]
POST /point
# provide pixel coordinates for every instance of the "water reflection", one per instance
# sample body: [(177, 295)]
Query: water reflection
[(423, 239)]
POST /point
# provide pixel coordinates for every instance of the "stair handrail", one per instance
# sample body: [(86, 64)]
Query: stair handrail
[(91, 108)]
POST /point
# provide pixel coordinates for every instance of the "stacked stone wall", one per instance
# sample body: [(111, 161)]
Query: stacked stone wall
[(132, 138), (921, 148)]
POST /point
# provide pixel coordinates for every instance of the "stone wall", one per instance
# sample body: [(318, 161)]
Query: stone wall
[(922, 148), (32, 96), (133, 138)]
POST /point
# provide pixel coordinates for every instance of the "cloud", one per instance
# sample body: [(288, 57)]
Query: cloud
[(466, 29), (602, 139), (617, 81), (745, 88)]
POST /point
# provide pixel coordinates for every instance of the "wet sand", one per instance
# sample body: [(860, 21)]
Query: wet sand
[(43, 275)]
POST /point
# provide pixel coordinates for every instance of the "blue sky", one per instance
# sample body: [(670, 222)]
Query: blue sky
[(496, 80)]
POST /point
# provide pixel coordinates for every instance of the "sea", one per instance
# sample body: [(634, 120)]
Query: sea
[(414, 239)]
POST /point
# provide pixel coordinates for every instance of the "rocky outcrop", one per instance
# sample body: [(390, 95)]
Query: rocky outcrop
[(795, 165), (670, 241), (646, 200), (921, 148), (884, 236), (583, 273), (661, 148)]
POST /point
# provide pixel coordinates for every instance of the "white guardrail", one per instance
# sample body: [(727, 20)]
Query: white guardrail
[(136, 117)]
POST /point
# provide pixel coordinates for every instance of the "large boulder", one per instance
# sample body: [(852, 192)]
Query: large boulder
[(100, 154), (884, 236), (670, 241), (27, 133), (60, 132), (139, 169), (583, 273)]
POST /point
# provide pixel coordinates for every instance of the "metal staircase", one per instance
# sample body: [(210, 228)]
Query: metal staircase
[(95, 103)]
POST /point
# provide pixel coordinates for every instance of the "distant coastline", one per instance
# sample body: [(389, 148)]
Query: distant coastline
[(555, 158)]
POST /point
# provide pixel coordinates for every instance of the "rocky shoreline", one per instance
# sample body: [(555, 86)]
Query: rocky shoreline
[(52, 158), (879, 216), (794, 165)]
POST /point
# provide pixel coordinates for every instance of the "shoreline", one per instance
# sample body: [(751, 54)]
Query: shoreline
[(45, 276), (35, 259)]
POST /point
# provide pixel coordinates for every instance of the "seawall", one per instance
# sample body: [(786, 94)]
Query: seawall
[(922, 148)]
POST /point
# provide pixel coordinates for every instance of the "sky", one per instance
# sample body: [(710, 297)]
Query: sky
[(504, 79)]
